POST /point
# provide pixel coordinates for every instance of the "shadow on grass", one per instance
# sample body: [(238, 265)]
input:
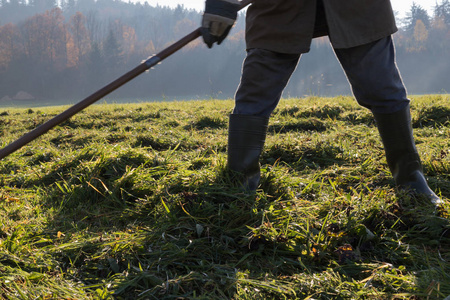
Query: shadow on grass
[(300, 156), (312, 124), (137, 227), (431, 116), (218, 237)]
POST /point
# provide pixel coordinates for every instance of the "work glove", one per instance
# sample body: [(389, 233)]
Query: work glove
[(218, 18)]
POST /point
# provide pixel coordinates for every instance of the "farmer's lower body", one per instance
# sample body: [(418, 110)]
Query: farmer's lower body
[(376, 85)]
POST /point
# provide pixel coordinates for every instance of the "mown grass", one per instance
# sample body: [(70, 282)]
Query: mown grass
[(134, 201)]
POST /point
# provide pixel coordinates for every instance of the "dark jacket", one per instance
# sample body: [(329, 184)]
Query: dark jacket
[(288, 26)]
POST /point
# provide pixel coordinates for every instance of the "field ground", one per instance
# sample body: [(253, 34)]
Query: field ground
[(133, 201)]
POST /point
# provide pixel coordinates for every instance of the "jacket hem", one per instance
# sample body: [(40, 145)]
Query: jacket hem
[(359, 42)]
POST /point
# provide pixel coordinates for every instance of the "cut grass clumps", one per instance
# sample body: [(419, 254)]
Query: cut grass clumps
[(210, 123), (134, 201), (432, 116)]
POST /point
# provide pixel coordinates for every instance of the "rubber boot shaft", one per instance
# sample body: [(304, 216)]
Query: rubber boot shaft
[(246, 138)]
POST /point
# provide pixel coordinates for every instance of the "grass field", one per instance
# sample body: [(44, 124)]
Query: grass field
[(133, 201)]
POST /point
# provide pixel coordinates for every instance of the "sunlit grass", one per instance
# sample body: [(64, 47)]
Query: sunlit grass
[(133, 201)]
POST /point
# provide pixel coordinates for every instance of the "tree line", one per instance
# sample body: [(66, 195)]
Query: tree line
[(69, 49)]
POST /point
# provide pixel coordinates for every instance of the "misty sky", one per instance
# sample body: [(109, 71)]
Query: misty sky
[(399, 5)]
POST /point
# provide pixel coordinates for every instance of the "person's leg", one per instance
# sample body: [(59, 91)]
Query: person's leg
[(265, 74), (374, 76), (377, 85)]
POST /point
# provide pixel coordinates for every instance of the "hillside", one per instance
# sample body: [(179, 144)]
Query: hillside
[(63, 50)]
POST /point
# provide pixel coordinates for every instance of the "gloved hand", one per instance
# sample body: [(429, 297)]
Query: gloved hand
[(218, 19)]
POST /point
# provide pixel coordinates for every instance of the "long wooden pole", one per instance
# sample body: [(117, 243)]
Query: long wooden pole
[(152, 61)]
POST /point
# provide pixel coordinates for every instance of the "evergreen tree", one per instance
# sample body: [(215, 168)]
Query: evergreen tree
[(112, 52), (442, 11), (69, 6), (43, 5), (95, 67), (415, 14)]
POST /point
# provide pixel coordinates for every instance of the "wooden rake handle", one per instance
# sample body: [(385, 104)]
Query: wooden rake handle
[(152, 61)]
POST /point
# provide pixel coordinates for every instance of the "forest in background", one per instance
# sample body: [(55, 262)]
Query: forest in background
[(67, 50)]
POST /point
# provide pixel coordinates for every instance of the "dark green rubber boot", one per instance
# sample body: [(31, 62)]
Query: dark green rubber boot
[(401, 153), (246, 137)]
